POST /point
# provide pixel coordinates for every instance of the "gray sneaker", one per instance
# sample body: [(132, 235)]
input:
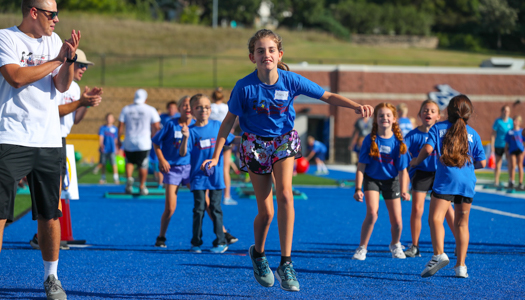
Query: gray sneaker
[(261, 269), (54, 290), (129, 185), (435, 264), (413, 251), (287, 277)]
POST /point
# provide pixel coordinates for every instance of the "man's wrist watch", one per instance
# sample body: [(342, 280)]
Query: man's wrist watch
[(72, 60)]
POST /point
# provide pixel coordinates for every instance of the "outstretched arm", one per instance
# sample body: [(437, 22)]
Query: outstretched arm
[(338, 100), (224, 131)]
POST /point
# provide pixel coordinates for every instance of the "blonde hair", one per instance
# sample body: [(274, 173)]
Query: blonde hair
[(518, 118), (374, 150), (180, 102), (264, 33), (402, 107)]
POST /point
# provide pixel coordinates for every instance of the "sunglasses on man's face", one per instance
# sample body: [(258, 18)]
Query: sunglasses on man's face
[(53, 14), (82, 66)]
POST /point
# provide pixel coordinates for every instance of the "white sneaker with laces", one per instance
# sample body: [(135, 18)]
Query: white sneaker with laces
[(397, 251), (360, 253), (229, 201), (435, 264), (461, 271), (144, 191)]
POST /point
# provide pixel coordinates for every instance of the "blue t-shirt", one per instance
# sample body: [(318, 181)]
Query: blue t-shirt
[(514, 139), (153, 156), (415, 140), (164, 118), (110, 135), (267, 110), (389, 162), (318, 148), (201, 145), (454, 180), (405, 125), (501, 127), (169, 139)]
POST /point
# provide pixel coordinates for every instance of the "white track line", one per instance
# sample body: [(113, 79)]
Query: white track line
[(498, 212)]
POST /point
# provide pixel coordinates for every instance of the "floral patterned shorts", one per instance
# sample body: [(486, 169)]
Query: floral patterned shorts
[(260, 153)]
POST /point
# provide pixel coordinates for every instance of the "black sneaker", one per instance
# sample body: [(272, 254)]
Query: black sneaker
[(34, 242), (230, 239), (511, 185), (413, 251), (161, 242)]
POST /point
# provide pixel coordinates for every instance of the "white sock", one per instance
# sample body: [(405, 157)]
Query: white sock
[(115, 177), (50, 267)]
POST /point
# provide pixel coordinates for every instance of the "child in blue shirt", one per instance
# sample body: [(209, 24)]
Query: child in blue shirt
[(318, 153), (199, 141), (263, 101), (422, 176), (514, 147), (460, 150), (175, 168), (382, 167), (405, 125), (500, 128), (108, 148)]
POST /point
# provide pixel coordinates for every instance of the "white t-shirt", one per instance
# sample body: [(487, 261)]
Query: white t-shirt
[(67, 121), (219, 111), (29, 115), (138, 119)]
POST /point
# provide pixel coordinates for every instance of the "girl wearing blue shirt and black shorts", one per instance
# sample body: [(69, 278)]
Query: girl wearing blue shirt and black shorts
[(382, 167), (460, 150), (422, 176), (263, 102), (514, 147)]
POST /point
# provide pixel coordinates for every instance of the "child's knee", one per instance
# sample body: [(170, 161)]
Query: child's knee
[(371, 217), (266, 217)]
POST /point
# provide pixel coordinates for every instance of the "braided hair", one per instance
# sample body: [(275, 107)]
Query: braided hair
[(374, 150)]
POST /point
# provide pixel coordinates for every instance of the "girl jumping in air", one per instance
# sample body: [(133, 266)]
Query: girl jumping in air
[(263, 101), (422, 176), (460, 152), (382, 167)]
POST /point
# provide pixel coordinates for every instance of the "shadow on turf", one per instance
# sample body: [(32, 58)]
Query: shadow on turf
[(8, 294)]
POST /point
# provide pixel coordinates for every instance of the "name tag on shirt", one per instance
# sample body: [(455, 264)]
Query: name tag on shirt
[(205, 143), (281, 95), (385, 149), (178, 135)]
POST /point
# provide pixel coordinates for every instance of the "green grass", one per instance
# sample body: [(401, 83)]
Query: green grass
[(124, 40), (22, 203)]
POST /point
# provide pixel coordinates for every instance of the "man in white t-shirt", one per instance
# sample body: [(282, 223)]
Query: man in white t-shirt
[(72, 108), (141, 122), (35, 67)]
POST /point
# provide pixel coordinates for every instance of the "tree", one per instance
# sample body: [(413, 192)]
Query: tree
[(497, 16)]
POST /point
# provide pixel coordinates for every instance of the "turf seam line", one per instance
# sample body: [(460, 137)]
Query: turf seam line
[(498, 212)]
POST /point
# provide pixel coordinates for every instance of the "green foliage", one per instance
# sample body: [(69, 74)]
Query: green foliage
[(190, 15), (497, 16), (460, 41), (99, 6)]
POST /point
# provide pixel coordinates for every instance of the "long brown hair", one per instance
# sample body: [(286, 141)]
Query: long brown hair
[(374, 150), (264, 33), (455, 143)]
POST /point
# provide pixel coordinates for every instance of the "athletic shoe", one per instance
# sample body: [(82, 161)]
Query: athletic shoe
[(461, 271), (435, 264), (144, 191), (521, 186), (129, 185), (64, 245), (230, 239), (195, 249), (161, 242), (397, 251), (287, 277), (102, 181), (54, 290), (229, 201), (510, 185), (360, 253), (34, 242), (413, 251), (219, 249), (116, 179), (261, 269)]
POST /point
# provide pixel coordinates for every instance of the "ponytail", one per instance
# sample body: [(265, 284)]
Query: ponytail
[(283, 66), (455, 142), (399, 136), (374, 150)]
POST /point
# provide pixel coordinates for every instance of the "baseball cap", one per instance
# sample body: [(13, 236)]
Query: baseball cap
[(140, 96)]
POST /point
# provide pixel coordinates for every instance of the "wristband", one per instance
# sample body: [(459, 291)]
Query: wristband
[(357, 189), (72, 60)]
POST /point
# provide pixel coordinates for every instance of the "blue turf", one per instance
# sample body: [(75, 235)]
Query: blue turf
[(123, 264)]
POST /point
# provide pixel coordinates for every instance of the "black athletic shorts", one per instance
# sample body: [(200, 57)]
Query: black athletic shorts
[(457, 199), (63, 152), (389, 188), (42, 168), (139, 158), (516, 152), (423, 181), (499, 151)]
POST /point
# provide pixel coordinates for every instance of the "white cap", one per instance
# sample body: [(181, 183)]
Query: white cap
[(140, 96), (81, 58)]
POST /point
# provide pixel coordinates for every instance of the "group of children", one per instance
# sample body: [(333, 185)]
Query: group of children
[(440, 157), (444, 156)]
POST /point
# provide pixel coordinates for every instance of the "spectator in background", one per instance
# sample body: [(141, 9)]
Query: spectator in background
[(171, 114), (108, 148), (141, 122), (318, 153), (404, 122), (501, 126)]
